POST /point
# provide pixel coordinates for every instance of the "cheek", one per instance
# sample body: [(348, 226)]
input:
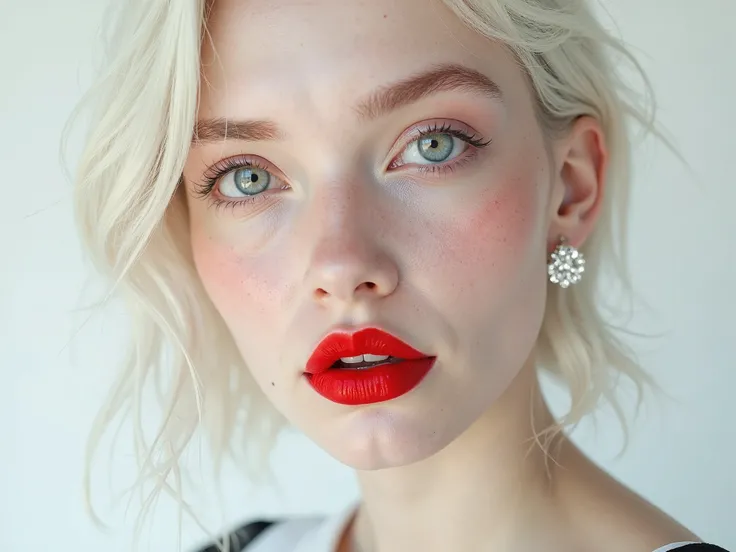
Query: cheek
[(498, 228), (245, 292), (491, 247), (490, 283)]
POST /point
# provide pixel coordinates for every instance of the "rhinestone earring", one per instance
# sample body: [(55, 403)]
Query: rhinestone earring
[(566, 265)]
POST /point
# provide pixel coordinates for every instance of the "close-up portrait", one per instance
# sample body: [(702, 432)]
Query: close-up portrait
[(389, 276)]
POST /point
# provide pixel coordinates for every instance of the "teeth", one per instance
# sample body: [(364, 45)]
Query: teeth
[(352, 360), (363, 358)]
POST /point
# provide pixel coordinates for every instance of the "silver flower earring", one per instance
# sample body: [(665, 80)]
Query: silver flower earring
[(566, 265)]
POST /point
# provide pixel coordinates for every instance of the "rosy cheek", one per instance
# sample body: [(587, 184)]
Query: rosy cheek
[(489, 247), (499, 225), (238, 291), (504, 221)]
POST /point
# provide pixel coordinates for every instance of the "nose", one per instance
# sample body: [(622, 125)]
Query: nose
[(348, 263), (348, 275)]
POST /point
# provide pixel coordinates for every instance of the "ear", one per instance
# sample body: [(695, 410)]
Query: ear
[(581, 160)]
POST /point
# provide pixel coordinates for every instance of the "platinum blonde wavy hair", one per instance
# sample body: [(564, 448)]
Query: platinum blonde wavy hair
[(133, 221)]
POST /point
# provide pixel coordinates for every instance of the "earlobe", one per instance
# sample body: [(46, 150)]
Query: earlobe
[(583, 159)]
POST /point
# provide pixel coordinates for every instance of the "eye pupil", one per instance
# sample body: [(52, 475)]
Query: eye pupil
[(437, 147)]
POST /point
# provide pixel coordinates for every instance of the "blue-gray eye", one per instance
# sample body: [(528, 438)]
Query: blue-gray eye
[(436, 147), (248, 181)]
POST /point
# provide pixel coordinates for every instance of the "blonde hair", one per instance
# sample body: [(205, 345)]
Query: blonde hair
[(133, 221)]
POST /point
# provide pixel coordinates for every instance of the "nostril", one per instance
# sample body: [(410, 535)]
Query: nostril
[(344, 293)]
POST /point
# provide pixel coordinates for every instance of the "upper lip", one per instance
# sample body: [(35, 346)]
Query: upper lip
[(345, 343)]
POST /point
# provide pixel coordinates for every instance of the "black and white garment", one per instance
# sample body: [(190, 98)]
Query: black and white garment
[(322, 535)]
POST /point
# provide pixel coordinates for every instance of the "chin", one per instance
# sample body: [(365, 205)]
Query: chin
[(380, 438)]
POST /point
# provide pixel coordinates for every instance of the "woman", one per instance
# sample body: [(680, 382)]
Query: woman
[(378, 221)]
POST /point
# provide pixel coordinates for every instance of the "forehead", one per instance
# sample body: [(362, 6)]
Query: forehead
[(310, 54)]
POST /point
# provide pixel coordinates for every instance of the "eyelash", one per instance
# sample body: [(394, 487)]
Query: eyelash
[(220, 169), (445, 128)]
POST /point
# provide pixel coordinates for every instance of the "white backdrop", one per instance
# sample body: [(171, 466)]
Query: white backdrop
[(682, 453)]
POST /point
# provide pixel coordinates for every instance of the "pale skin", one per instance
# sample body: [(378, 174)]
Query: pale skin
[(353, 230)]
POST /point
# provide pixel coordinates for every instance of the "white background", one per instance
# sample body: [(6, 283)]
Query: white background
[(683, 450)]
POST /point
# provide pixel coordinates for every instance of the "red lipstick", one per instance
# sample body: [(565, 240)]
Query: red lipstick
[(391, 369)]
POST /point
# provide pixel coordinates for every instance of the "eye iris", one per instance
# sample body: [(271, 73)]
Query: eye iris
[(436, 147), (251, 180)]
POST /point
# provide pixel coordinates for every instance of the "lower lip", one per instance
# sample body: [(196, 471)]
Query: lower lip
[(372, 385)]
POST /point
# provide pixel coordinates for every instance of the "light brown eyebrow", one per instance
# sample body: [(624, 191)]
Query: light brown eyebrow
[(220, 128), (441, 78)]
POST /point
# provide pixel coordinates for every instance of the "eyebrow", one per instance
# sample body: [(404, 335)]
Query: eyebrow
[(440, 78), (220, 128)]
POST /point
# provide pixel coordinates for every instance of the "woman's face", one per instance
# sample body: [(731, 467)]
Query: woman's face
[(383, 168)]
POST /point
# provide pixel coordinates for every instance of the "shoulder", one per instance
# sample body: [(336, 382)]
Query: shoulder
[(267, 535)]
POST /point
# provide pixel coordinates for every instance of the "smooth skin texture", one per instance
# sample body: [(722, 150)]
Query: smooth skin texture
[(358, 228)]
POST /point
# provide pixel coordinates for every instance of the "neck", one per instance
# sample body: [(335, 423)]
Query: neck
[(482, 492)]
